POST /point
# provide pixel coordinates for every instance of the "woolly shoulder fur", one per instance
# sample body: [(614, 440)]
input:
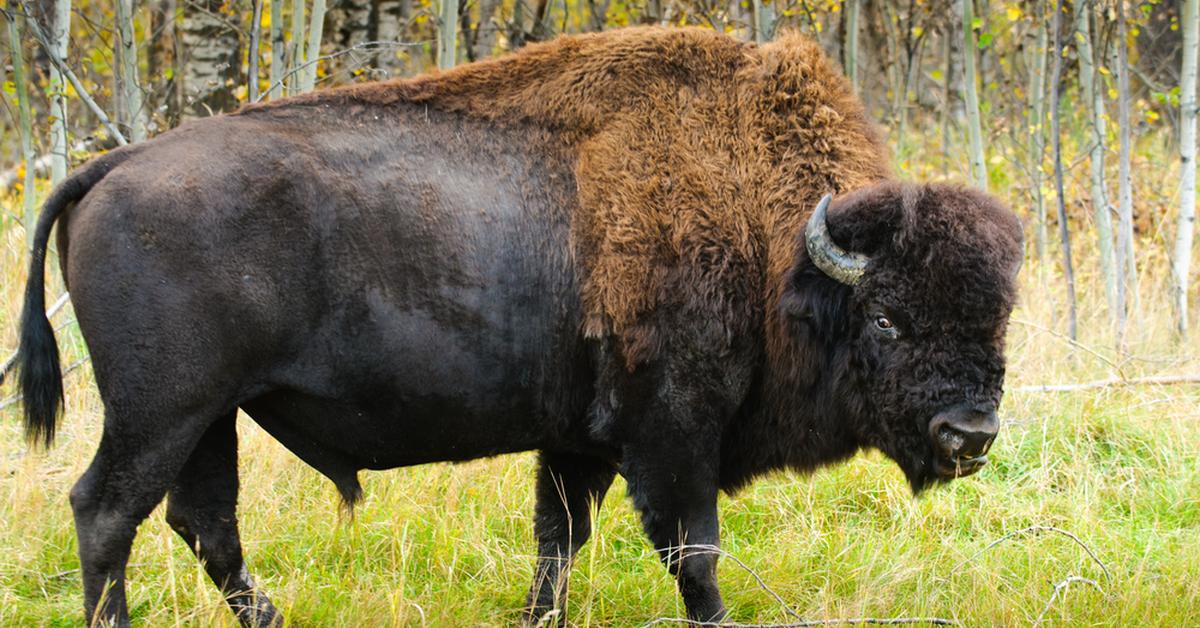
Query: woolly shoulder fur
[(698, 159)]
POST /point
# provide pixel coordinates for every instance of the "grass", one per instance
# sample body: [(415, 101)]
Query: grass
[(451, 544)]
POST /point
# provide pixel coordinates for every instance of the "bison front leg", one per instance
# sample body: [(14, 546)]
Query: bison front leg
[(676, 494), (568, 487)]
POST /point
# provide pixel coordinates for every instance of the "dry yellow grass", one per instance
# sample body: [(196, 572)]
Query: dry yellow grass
[(451, 544)]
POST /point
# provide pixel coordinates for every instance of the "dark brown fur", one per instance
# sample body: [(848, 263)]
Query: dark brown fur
[(593, 248)]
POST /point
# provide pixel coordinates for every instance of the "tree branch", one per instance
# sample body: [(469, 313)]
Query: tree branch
[(51, 54)]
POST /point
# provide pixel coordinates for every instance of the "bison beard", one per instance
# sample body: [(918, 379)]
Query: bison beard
[(603, 248)]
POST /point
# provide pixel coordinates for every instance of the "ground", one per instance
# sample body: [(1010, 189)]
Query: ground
[(452, 544)]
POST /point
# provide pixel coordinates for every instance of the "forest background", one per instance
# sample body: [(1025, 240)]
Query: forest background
[(1081, 115)]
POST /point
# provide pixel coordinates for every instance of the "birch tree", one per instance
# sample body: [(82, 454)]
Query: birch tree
[(127, 77), (24, 122), (278, 50), (252, 56), (296, 50), (391, 25), (1037, 129), (316, 26), (213, 65), (851, 48), (764, 21), (485, 32), (1186, 222), (1127, 279), (59, 30), (1094, 105), (447, 35), (1064, 233), (971, 96)]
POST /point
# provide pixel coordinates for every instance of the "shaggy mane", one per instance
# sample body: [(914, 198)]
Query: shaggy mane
[(698, 159)]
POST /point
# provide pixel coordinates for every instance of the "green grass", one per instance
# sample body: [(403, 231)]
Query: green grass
[(452, 544)]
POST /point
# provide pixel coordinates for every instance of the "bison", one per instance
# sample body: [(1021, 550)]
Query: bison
[(616, 249)]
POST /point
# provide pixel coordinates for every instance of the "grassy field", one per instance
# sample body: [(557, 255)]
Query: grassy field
[(441, 545)]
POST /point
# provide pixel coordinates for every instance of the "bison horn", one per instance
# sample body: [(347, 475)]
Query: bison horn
[(840, 264)]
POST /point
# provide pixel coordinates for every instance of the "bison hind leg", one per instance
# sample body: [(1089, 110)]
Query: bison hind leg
[(201, 508)]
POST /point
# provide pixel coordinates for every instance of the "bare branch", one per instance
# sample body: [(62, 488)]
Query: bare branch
[(801, 622), (12, 359), (366, 45), (1112, 382), (17, 398), (62, 66), (1060, 587), (851, 621), (1036, 529)]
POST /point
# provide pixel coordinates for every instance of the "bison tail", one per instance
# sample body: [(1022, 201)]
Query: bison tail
[(37, 353)]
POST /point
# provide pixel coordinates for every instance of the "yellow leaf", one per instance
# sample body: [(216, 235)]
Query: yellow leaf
[(1112, 93), (1103, 70), (1014, 13)]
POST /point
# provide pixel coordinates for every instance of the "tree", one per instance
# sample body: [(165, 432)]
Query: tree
[(1186, 222), (1094, 105), (278, 50), (851, 48), (392, 26), (58, 26), (25, 123), (316, 24), (1064, 233), (213, 59), (1127, 279), (974, 126), (447, 35), (1037, 130), (127, 76), (296, 50)]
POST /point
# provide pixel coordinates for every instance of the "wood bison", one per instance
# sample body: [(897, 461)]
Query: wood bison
[(607, 248)]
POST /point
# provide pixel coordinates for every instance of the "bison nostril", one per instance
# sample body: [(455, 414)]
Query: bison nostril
[(950, 440)]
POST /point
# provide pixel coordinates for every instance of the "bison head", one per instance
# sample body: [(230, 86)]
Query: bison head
[(906, 291)]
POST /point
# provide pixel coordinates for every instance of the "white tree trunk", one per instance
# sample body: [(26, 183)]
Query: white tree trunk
[(1127, 282), (252, 53), (213, 64), (391, 25), (1037, 128), (485, 31), (25, 122), (1064, 232), (764, 21), (851, 48), (974, 126), (131, 90), (316, 26), (1186, 225), (296, 49), (278, 50), (447, 38), (1094, 100), (59, 31)]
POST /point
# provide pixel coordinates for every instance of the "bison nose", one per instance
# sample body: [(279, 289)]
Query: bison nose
[(964, 431)]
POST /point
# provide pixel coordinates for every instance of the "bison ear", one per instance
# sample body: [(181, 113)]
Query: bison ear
[(816, 305)]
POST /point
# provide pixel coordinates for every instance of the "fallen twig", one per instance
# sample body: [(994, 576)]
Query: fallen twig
[(1112, 382), (851, 621), (12, 359), (1037, 529), (801, 622), (18, 397), (1061, 586)]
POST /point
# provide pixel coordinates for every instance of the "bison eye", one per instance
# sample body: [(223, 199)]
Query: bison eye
[(885, 326)]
